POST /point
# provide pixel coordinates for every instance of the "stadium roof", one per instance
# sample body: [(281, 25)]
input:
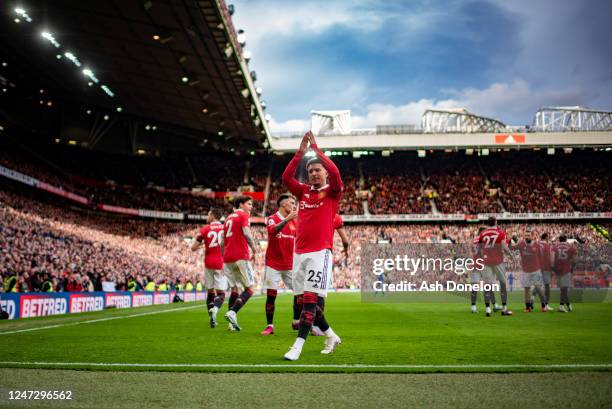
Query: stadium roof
[(177, 62)]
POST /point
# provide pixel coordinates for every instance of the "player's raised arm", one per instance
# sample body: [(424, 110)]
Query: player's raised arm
[(289, 179), (335, 181), (275, 228)]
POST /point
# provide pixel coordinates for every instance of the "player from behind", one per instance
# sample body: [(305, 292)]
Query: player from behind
[(530, 252), (475, 275), (282, 228), (318, 203), (214, 279), (563, 255), (494, 244), (236, 241), (545, 264)]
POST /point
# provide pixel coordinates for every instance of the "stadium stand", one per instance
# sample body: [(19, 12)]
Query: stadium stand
[(516, 182), (44, 237)]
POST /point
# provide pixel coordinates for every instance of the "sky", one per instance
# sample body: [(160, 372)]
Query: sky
[(388, 61)]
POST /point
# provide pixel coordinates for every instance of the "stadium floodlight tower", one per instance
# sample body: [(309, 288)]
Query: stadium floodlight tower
[(458, 120), (564, 119), (331, 122)]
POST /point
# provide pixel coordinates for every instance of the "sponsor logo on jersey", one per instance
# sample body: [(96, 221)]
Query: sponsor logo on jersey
[(304, 205)]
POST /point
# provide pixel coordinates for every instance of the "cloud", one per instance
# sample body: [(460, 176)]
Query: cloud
[(289, 126), (509, 102), (266, 19), (390, 61)]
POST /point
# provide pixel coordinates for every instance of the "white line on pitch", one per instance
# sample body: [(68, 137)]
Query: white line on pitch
[(99, 320), (347, 366)]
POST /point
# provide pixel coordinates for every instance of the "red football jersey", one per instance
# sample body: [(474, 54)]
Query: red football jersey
[(235, 245), (530, 256), (491, 240), (338, 222), (316, 207), (210, 235), (545, 254), (279, 254), (564, 254)]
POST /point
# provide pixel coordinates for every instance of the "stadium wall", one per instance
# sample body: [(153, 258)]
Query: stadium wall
[(29, 305)]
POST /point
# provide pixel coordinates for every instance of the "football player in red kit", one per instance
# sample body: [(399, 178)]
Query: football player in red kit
[(214, 279), (493, 245), (282, 228), (531, 254), (563, 255), (237, 239), (318, 204), (545, 263)]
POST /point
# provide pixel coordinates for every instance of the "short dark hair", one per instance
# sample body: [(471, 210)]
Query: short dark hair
[(216, 213), (563, 238), (492, 221), (283, 197), (240, 200), (544, 236), (312, 161)]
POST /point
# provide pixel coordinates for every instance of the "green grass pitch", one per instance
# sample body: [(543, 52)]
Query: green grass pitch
[(376, 337)]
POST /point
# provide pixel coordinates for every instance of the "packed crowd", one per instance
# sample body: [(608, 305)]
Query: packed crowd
[(402, 183), (527, 187), (459, 186)]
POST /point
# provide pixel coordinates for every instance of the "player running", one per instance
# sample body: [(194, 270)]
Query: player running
[(282, 228), (563, 254), (530, 252), (494, 244), (236, 241), (214, 279), (318, 203)]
